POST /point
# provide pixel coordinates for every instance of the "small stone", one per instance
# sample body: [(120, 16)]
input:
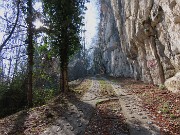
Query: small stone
[(138, 128), (58, 124), (159, 112), (80, 125), (177, 111), (79, 115), (140, 114), (80, 110), (131, 112), (144, 117), (58, 129), (78, 121), (72, 129), (64, 118), (67, 124), (133, 117), (46, 132), (149, 122)]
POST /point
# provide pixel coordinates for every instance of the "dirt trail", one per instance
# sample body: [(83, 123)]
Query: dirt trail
[(136, 117), (95, 107), (85, 117), (76, 119)]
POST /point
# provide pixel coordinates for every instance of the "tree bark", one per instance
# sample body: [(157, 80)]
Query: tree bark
[(64, 77), (30, 51), (64, 61)]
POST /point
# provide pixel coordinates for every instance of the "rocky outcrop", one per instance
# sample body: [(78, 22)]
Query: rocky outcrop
[(77, 69), (141, 38), (110, 54)]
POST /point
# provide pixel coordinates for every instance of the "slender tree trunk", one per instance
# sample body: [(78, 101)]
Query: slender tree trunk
[(61, 80), (64, 77), (30, 50), (64, 62), (1, 70), (18, 51), (9, 71)]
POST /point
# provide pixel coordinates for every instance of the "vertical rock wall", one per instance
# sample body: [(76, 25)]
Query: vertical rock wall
[(141, 39), (114, 61)]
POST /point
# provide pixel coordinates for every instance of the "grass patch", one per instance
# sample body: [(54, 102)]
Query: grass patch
[(80, 87), (106, 89), (162, 87)]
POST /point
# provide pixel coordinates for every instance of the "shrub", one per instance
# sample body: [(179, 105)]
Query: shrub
[(12, 96)]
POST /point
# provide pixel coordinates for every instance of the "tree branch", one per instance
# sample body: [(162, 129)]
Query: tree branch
[(12, 31), (12, 22)]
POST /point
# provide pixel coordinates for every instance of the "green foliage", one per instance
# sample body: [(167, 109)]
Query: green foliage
[(42, 96), (12, 96), (45, 88), (0, 70), (172, 116), (162, 87), (66, 20), (45, 84), (165, 108), (43, 48)]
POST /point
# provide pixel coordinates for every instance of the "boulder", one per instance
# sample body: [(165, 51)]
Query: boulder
[(173, 83)]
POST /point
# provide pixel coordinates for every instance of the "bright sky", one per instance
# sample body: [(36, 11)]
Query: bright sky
[(1, 14), (91, 22)]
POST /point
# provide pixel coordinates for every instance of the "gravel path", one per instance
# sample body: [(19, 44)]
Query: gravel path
[(76, 119), (136, 117), (84, 118)]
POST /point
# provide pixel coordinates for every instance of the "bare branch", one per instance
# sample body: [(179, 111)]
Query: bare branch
[(14, 47), (12, 22), (12, 31)]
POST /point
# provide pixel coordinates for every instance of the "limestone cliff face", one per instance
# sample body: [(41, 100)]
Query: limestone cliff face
[(141, 39)]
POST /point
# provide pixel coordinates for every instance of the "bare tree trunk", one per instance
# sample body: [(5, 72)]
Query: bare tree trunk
[(9, 71), (30, 50), (18, 51), (1, 71)]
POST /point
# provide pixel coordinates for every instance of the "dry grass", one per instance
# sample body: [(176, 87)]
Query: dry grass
[(106, 89), (80, 87)]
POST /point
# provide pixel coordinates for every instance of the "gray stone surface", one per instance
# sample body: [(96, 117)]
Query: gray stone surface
[(173, 83), (140, 39)]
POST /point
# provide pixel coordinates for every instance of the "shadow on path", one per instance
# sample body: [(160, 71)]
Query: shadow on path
[(84, 117), (18, 125)]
